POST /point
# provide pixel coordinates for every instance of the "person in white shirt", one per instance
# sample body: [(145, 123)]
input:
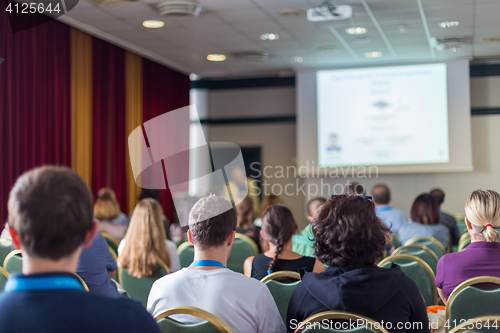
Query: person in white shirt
[(244, 304)]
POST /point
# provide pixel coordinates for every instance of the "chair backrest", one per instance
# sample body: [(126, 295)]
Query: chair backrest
[(13, 262), (340, 316), (395, 240), (243, 247), (464, 241), (417, 270), (282, 292), (186, 254), (481, 324), (211, 323), (111, 241), (4, 275), (5, 248), (431, 242), (420, 251), (84, 284), (467, 301), (138, 288)]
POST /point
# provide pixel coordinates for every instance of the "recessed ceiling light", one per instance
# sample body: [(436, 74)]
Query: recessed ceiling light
[(291, 12), (269, 36), (492, 39), (194, 77), (153, 24), (448, 24), (356, 30), (402, 28), (297, 59), (373, 54), (216, 57)]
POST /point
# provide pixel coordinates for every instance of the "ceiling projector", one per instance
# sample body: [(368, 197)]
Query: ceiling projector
[(329, 11)]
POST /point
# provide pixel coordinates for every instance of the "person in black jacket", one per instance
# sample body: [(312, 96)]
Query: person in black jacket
[(351, 239)]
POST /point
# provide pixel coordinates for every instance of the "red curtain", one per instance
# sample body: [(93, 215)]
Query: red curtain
[(163, 90), (34, 101), (108, 120)]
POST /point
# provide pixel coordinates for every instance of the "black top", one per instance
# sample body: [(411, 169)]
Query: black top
[(261, 262), (382, 294), (71, 310)]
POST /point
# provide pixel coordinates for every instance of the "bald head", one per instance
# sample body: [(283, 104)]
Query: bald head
[(381, 194)]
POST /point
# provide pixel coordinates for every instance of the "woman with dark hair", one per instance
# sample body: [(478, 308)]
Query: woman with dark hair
[(278, 227), (244, 222), (425, 222), (351, 239)]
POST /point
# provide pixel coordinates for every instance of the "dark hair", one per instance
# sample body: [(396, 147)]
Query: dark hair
[(355, 189), (243, 210), (438, 195), (50, 208), (347, 232), (381, 194), (211, 220), (313, 200), (425, 210), (278, 225), (150, 193)]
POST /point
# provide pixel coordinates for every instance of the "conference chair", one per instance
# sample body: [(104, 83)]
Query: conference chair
[(84, 284), (112, 243), (316, 323), (5, 248), (461, 224), (395, 240), (421, 252), (432, 243), (210, 323), (417, 270), (138, 288), (243, 247), (468, 301), (4, 275), (281, 285), (186, 254), (13, 262), (481, 324), (465, 240)]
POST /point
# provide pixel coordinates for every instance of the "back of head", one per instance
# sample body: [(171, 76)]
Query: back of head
[(150, 193), (314, 204), (270, 200), (355, 189), (438, 195), (244, 212), (381, 194), (106, 207), (347, 232), (483, 212), (145, 240), (425, 210), (211, 220), (50, 208)]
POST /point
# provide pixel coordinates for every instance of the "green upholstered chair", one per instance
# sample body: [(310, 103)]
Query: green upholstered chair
[(5, 248), (4, 275), (417, 270), (112, 243), (210, 323), (461, 226), (420, 251), (282, 292), (243, 247), (395, 240), (186, 254), (138, 288), (13, 263), (481, 324), (468, 301), (464, 241), (314, 323), (432, 243)]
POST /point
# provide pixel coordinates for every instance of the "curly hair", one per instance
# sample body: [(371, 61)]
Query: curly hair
[(347, 232)]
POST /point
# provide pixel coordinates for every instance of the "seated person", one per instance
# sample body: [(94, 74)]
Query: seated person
[(109, 215), (425, 217), (244, 222), (50, 219), (244, 304), (446, 218), (392, 218), (351, 239), (354, 189), (97, 267), (302, 243), (278, 227), (480, 258), (269, 200)]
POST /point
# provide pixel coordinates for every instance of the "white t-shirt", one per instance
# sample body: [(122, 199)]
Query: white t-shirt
[(175, 263), (243, 303)]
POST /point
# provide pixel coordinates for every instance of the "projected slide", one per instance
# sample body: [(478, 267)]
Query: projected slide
[(383, 116)]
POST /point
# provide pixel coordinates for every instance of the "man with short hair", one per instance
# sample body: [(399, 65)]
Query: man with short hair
[(50, 219), (244, 304), (444, 218), (392, 218)]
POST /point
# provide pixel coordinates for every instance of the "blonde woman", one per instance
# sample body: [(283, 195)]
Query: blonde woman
[(145, 241), (108, 213), (480, 258)]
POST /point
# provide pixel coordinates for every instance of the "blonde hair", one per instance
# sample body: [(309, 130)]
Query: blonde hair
[(106, 206), (146, 240), (482, 209), (243, 210)]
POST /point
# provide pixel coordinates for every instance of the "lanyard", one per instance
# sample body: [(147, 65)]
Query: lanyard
[(383, 209), (23, 283), (214, 263)]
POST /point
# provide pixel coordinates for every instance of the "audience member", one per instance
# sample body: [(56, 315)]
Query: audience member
[(445, 218), (302, 243), (425, 217), (355, 189), (50, 218), (392, 218), (269, 200), (480, 258), (242, 186), (351, 239), (278, 227), (244, 222), (145, 242), (109, 215), (244, 304), (155, 194)]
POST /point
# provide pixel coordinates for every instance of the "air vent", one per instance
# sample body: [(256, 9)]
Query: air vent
[(254, 56), (451, 44), (179, 10), (112, 2), (291, 12)]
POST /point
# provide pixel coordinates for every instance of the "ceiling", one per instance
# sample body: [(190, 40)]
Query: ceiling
[(229, 26)]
